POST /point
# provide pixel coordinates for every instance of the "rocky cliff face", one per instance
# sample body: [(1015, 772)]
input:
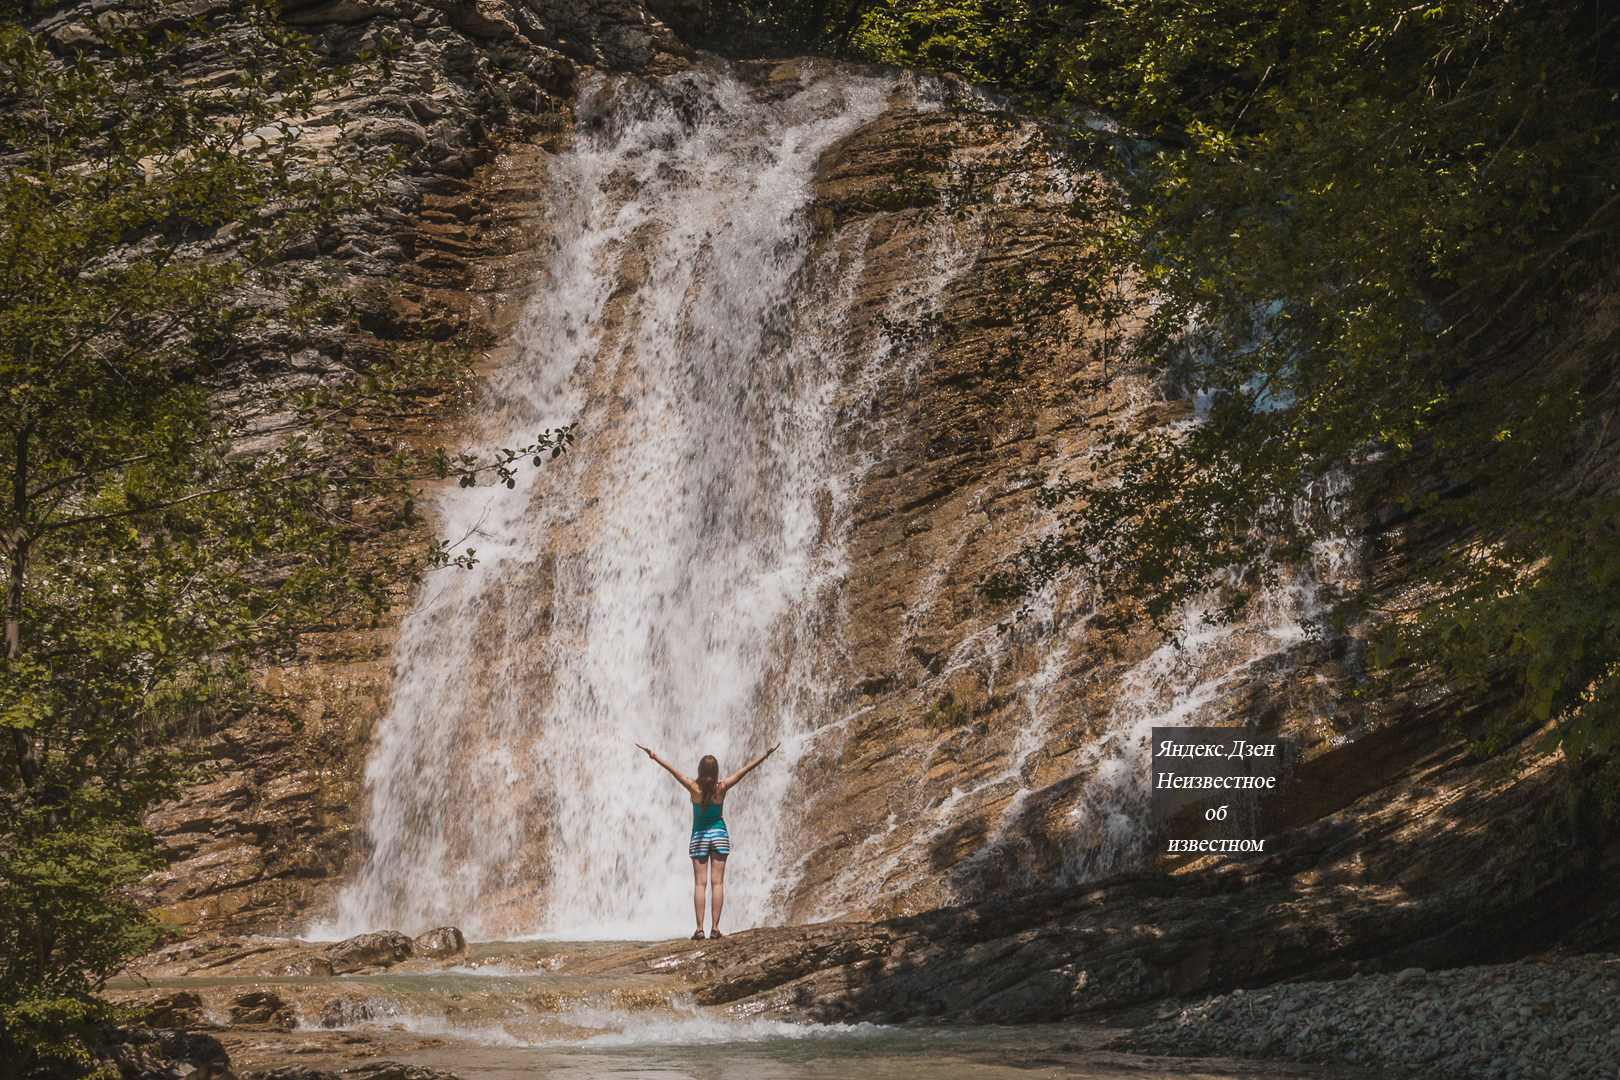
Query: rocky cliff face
[(983, 744), (477, 94), (971, 748)]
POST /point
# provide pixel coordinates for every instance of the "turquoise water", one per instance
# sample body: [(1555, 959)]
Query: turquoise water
[(571, 1011), (693, 1046)]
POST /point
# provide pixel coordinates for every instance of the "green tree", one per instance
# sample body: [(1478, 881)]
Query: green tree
[(132, 536), (167, 512)]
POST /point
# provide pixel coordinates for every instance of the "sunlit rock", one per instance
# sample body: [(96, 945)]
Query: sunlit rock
[(446, 941), (381, 949)]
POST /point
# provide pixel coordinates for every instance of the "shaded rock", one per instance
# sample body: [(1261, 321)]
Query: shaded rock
[(1108, 986), (393, 1070), (1043, 996), (381, 949), (290, 1072), (181, 1009), (1462, 1022), (443, 942), (165, 1055), (262, 1007), (334, 11), (395, 131)]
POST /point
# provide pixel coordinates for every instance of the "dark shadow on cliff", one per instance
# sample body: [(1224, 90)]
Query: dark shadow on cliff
[(1402, 850)]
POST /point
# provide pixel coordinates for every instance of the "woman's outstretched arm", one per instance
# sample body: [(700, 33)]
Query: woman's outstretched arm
[(748, 768), (686, 781)]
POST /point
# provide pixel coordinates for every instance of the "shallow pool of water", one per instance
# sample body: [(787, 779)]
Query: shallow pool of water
[(572, 1010), (695, 1046)]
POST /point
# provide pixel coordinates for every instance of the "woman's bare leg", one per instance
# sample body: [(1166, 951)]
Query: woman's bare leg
[(717, 891), (700, 878)]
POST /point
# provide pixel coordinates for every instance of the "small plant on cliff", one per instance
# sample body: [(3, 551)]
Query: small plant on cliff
[(162, 521)]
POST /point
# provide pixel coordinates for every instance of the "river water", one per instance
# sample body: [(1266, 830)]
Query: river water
[(601, 1009), (713, 1051), (696, 1049)]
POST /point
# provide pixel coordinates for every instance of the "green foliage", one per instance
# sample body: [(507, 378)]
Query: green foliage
[(1379, 221), (145, 557), (63, 877), (45, 1036), (168, 514), (932, 33), (1374, 235)]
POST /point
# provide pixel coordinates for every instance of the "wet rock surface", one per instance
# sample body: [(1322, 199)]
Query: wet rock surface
[(378, 1070), (161, 1054), (182, 1009), (261, 1007), (443, 942), (1546, 1018), (382, 949)]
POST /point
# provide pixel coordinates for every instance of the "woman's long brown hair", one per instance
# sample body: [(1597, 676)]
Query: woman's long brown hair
[(708, 778)]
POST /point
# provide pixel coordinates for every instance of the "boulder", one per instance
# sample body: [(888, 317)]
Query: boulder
[(345, 1012), (181, 1009), (381, 949), (393, 1070), (165, 1055), (439, 944), (261, 1007)]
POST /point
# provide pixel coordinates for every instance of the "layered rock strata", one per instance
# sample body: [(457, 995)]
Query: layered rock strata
[(967, 757), (261, 838), (975, 743)]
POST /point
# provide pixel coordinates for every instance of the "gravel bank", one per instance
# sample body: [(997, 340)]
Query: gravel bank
[(1553, 1019)]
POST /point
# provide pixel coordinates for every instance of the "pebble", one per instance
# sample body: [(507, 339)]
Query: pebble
[(1545, 1019)]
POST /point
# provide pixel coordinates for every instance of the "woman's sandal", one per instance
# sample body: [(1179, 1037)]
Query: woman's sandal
[(698, 936), (715, 934)]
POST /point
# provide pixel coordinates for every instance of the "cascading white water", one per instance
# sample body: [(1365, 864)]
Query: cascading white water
[(664, 582), (674, 579)]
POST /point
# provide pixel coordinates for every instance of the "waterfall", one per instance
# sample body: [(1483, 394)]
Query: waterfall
[(679, 578), (666, 581)]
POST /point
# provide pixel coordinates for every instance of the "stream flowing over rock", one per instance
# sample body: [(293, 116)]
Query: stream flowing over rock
[(807, 429)]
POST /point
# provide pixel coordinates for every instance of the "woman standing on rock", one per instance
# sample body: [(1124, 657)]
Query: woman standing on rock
[(709, 839)]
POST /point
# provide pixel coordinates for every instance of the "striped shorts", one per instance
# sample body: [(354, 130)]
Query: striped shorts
[(710, 841)]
